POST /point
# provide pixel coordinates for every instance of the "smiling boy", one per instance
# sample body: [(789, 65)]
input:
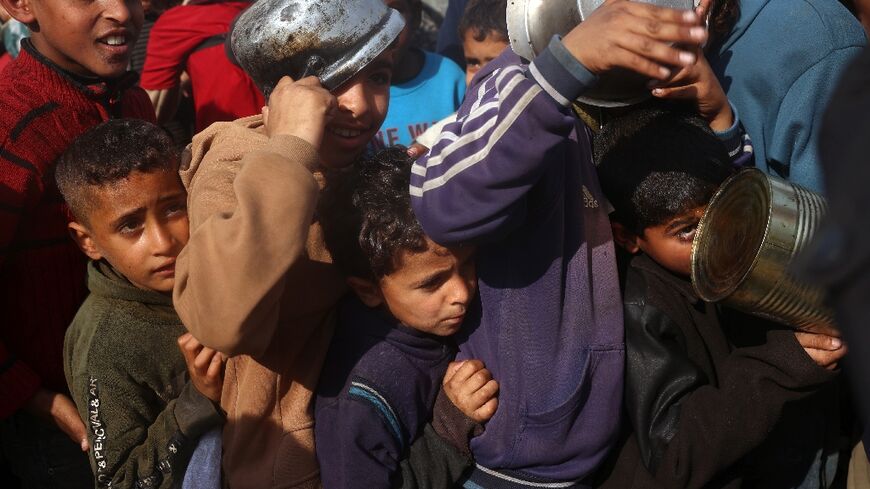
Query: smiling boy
[(143, 410), (70, 76), (255, 281)]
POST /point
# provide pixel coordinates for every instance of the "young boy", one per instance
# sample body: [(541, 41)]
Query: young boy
[(698, 404), (256, 281), (483, 30), (392, 344), (426, 87), (71, 75), (126, 375), (515, 177)]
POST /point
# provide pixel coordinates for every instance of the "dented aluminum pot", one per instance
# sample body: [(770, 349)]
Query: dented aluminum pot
[(330, 39), (532, 23)]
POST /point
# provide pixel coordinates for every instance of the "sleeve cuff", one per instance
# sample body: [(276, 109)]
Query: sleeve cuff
[(18, 384), (298, 148), (452, 425), (732, 137), (196, 413), (560, 74), (790, 356)]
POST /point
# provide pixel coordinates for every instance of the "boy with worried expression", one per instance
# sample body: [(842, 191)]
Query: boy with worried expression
[(131, 385), (71, 75), (691, 375), (392, 345)]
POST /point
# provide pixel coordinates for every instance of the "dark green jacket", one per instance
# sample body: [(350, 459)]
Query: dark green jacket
[(128, 378)]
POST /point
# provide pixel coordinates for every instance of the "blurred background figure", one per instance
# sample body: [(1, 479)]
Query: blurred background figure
[(425, 87), (190, 38)]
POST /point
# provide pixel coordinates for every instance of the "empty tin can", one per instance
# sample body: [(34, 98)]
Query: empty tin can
[(741, 255)]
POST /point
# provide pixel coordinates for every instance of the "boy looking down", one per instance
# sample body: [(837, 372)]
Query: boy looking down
[(71, 75), (393, 344), (126, 375)]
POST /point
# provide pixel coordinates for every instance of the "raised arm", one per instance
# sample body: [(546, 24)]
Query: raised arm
[(249, 219), (685, 425)]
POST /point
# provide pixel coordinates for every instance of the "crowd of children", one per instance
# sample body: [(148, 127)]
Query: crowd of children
[(421, 278)]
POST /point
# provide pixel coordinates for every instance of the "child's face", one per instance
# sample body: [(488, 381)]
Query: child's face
[(139, 225), (410, 10), (85, 37), (479, 53), (668, 244), (362, 107), (429, 291)]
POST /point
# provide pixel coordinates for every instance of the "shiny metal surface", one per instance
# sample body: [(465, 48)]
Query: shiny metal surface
[(330, 39), (532, 23), (752, 229)]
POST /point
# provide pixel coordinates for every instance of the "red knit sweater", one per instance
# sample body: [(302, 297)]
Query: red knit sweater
[(42, 272)]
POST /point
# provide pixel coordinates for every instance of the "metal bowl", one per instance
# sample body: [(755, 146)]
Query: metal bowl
[(750, 233), (331, 40), (532, 23)]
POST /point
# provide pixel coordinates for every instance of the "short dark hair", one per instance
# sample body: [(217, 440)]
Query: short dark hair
[(483, 17), (658, 162), (110, 152), (366, 215)]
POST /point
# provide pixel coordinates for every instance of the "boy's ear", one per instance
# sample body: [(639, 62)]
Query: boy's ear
[(20, 10), (82, 237), (625, 238), (368, 292)]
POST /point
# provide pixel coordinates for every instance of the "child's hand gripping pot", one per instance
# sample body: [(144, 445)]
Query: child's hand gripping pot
[(471, 388), (299, 108), (205, 366)]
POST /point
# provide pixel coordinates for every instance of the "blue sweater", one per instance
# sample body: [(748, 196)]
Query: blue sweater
[(779, 66), (514, 175), (376, 392), (415, 105)]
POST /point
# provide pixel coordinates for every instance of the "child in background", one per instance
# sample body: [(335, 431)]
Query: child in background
[(483, 30), (392, 345), (426, 87), (698, 405), (126, 375), (190, 38), (484, 34), (70, 75)]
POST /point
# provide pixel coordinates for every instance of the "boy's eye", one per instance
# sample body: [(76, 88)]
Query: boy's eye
[(129, 226), (432, 283), (380, 78), (177, 208), (687, 233)]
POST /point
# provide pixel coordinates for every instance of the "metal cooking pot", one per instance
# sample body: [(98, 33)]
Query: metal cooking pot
[(332, 40), (532, 23), (750, 233)]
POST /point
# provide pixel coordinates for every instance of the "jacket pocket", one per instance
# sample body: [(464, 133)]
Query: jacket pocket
[(582, 428), (295, 462)]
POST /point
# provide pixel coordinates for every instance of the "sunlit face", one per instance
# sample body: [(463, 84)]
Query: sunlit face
[(479, 53), (430, 291), (670, 244), (85, 37), (139, 225), (362, 107)]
